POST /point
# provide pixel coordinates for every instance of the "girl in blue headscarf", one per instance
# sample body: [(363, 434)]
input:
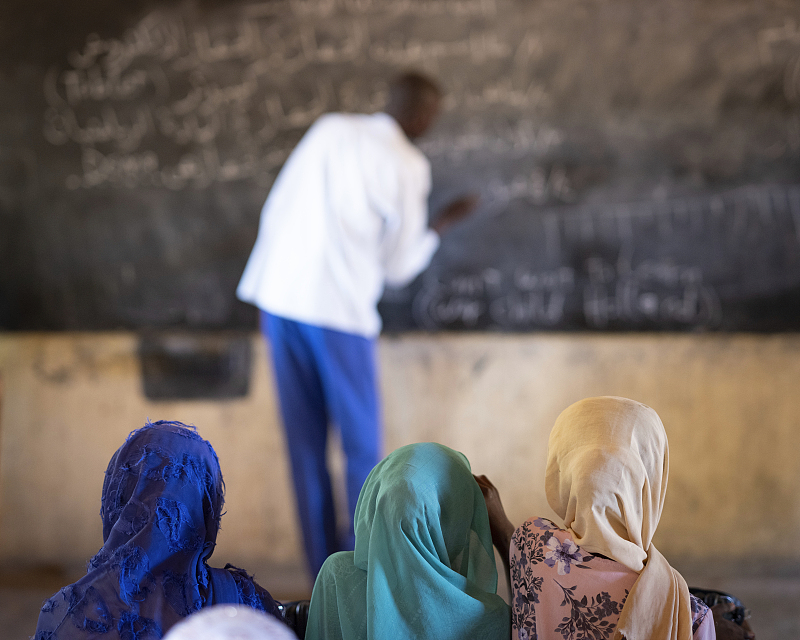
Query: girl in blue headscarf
[(423, 565), (161, 506)]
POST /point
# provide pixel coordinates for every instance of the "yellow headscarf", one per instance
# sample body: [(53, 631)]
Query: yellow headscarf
[(607, 469)]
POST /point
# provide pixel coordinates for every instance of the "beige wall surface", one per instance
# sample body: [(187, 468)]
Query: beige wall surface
[(730, 404)]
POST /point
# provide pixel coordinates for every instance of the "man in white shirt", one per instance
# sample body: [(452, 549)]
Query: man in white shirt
[(346, 215)]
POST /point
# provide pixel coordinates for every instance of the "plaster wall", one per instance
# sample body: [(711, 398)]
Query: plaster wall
[(730, 404)]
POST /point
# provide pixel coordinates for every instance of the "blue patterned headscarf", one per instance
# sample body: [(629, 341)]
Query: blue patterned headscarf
[(423, 566), (162, 501)]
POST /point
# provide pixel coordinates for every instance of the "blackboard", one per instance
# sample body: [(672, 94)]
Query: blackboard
[(637, 162)]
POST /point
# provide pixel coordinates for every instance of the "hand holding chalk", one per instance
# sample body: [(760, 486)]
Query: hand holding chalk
[(456, 211)]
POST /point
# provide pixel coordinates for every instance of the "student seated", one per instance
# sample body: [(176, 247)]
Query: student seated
[(161, 507), (423, 565), (229, 622), (606, 478)]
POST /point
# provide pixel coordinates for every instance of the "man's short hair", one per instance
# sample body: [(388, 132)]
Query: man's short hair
[(412, 92)]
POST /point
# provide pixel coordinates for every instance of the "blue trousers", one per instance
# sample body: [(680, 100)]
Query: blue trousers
[(325, 376)]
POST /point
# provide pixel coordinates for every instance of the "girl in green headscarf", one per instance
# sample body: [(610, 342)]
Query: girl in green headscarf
[(423, 565)]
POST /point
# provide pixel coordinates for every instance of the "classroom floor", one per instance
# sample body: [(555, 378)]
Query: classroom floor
[(773, 600)]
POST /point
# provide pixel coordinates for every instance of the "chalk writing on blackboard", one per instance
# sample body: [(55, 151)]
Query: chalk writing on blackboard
[(540, 186), (217, 93), (422, 8), (653, 291), (537, 300), (514, 141), (605, 280), (458, 300)]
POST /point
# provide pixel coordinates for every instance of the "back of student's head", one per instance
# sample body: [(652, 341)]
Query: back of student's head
[(228, 622)]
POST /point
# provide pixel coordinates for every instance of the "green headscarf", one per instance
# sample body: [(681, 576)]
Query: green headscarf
[(423, 565)]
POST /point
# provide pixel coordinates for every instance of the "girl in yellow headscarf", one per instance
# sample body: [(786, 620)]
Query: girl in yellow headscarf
[(600, 576)]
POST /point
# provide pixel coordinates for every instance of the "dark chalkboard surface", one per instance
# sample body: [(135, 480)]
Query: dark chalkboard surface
[(638, 162)]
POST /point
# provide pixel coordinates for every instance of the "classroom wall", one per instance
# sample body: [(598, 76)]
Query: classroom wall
[(729, 403)]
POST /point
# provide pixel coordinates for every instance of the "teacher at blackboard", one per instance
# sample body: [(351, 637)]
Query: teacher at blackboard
[(347, 214)]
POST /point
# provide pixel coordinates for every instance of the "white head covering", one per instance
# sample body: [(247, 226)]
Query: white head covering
[(607, 469), (230, 622)]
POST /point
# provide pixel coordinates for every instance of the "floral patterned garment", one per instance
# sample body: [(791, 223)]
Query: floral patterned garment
[(560, 592)]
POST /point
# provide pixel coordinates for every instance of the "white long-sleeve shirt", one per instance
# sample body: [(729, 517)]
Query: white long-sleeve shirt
[(347, 213)]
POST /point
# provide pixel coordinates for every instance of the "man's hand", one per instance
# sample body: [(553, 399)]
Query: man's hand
[(456, 211), (727, 629)]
